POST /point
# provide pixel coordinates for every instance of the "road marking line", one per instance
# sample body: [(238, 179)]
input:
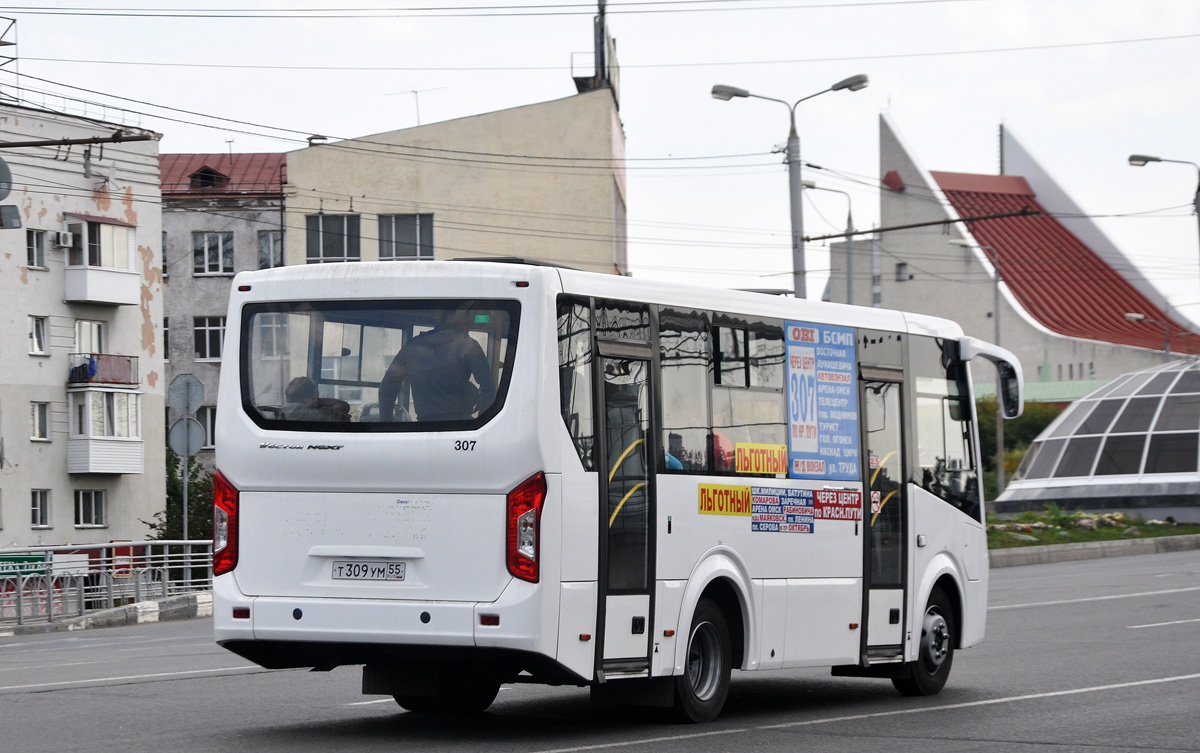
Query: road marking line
[(1162, 624), (1091, 598), (368, 703), (157, 675), (876, 715), (48, 666)]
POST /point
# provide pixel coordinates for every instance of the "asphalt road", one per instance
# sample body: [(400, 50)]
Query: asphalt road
[(1101, 655)]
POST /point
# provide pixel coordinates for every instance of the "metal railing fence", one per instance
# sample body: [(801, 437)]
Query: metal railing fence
[(46, 583)]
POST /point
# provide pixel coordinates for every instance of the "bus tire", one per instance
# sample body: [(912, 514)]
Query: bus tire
[(467, 696), (701, 690), (927, 675)]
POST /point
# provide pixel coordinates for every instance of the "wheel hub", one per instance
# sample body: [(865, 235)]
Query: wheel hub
[(935, 641)]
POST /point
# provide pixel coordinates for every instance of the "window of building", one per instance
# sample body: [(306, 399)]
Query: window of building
[(206, 177), (405, 236), (209, 334), (96, 413), (902, 272), (167, 339), (39, 508), (89, 508), (40, 421), (212, 253), (37, 336), (270, 249), (272, 335), (102, 244), (207, 416), (332, 238), (35, 248), (89, 336)]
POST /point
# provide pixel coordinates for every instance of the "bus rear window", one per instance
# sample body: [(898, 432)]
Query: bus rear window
[(376, 365)]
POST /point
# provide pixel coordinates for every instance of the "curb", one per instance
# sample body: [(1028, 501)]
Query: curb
[(1053, 553), (182, 607)]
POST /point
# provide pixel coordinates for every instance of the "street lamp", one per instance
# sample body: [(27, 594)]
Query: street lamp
[(849, 236), (996, 337), (795, 188), (1136, 317), (1141, 160)]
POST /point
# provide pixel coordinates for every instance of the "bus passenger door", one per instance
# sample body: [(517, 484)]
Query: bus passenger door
[(886, 540), (626, 509)]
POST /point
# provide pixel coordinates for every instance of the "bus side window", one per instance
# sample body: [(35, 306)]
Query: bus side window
[(945, 464), (748, 401), (575, 376), (684, 363)]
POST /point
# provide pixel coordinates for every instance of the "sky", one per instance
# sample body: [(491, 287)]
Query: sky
[(1081, 83)]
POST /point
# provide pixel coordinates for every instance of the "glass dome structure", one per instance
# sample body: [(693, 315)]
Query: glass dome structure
[(1132, 445)]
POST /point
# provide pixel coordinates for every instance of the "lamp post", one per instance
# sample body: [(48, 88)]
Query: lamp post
[(996, 338), (849, 236), (795, 187), (1136, 317), (1141, 160)]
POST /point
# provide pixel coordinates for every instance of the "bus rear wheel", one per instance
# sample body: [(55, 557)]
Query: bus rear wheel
[(463, 696), (701, 690), (927, 675)]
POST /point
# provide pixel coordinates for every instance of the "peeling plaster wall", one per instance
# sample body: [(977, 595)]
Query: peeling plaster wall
[(190, 295), (48, 183)]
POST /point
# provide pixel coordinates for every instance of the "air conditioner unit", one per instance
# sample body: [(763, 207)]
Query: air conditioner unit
[(62, 240)]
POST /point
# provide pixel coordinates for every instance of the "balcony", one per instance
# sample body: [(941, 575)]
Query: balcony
[(118, 455), (112, 285), (103, 368)]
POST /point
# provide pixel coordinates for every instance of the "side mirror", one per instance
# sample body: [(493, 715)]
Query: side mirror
[(1012, 384)]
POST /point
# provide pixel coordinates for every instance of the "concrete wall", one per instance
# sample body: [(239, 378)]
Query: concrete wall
[(545, 181), (48, 182)]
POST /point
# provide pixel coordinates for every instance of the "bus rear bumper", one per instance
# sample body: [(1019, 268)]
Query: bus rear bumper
[(288, 632)]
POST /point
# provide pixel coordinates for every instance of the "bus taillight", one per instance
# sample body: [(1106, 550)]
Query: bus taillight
[(225, 525), (524, 519)]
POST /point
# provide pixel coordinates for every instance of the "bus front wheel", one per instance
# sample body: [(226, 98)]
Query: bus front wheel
[(927, 675), (701, 690)]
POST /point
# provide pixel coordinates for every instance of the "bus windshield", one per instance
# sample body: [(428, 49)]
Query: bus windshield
[(376, 365)]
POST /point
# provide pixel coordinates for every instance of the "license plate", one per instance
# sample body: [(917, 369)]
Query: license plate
[(368, 570)]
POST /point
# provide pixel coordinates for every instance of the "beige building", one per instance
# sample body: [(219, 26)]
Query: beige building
[(544, 181), (82, 387)]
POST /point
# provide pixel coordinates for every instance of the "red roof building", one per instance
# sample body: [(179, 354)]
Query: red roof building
[(1055, 277), (200, 176)]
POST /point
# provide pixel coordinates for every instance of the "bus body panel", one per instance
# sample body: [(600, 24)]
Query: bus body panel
[(720, 563), (822, 621), (577, 627), (293, 545), (816, 554)]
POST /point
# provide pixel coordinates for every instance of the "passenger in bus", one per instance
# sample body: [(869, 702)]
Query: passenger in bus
[(305, 404), (438, 367)]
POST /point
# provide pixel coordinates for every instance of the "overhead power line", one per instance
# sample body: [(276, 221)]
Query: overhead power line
[(465, 11), (634, 66)]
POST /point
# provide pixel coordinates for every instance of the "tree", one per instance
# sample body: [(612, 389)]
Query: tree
[(1019, 433), (168, 523)]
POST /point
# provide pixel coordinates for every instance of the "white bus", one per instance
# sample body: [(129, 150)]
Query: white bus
[(521, 473)]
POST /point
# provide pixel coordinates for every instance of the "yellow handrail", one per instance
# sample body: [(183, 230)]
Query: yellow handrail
[(624, 455), (623, 501)]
